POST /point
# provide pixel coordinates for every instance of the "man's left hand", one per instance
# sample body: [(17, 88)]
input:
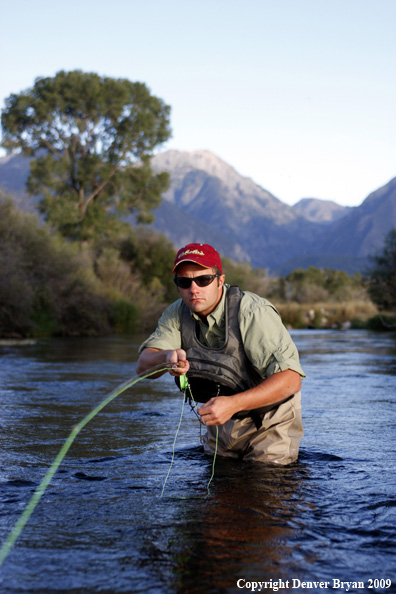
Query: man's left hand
[(217, 410)]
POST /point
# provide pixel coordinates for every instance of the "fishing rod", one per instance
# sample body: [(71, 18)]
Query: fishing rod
[(23, 519)]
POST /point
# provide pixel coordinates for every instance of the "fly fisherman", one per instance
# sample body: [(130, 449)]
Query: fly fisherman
[(239, 359)]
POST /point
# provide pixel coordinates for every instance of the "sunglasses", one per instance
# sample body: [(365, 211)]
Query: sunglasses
[(184, 282)]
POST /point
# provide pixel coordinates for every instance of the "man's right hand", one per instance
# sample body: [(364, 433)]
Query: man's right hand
[(151, 357), (179, 359)]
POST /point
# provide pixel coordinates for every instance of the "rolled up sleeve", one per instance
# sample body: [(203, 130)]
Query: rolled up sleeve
[(268, 345)]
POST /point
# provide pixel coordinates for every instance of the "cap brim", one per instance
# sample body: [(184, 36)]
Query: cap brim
[(189, 260)]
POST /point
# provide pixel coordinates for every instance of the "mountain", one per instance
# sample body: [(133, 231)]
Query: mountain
[(262, 229), (221, 204), (209, 202), (13, 173), (320, 211), (197, 176), (361, 232)]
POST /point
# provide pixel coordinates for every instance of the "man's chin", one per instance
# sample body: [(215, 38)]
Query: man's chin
[(197, 307)]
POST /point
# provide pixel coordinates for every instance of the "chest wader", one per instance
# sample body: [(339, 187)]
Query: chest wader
[(225, 370)]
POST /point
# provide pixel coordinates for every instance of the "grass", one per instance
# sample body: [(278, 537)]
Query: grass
[(351, 314)]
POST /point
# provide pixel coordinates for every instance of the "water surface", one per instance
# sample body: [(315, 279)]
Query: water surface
[(102, 525)]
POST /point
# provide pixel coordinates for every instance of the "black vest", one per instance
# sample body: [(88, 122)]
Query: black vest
[(225, 370), (220, 371)]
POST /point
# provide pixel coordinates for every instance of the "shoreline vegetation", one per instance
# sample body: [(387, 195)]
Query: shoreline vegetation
[(50, 286)]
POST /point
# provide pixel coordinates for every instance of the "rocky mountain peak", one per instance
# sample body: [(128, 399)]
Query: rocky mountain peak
[(180, 162), (199, 176)]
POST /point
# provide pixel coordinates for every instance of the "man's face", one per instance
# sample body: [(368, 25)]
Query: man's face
[(201, 300)]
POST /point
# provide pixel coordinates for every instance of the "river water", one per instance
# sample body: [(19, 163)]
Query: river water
[(102, 525)]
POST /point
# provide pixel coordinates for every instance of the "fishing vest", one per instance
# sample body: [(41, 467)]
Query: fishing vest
[(220, 371)]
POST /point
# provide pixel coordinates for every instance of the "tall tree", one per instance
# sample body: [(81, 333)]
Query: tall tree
[(91, 139), (382, 275)]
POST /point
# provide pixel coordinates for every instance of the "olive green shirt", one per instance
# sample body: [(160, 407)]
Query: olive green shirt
[(267, 343)]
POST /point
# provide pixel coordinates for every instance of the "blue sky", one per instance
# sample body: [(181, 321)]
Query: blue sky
[(299, 95)]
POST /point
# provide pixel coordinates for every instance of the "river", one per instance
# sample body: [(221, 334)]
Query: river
[(325, 523)]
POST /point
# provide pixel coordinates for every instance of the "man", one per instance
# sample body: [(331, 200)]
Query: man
[(239, 360)]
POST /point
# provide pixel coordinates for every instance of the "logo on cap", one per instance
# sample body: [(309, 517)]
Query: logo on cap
[(196, 252)]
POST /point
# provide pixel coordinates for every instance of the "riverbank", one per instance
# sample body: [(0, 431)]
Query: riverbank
[(353, 315), (329, 315)]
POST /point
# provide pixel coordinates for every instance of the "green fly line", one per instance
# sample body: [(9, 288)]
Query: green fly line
[(184, 386), (23, 519)]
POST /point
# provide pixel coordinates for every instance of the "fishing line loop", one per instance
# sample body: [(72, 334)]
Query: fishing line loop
[(185, 386)]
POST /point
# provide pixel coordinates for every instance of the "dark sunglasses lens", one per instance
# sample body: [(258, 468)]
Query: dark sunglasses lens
[(202, 281), (182, 282)]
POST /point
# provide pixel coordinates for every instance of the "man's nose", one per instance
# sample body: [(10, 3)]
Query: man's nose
[(194, 286)]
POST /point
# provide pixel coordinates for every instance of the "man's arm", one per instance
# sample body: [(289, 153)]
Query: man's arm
[(276, 388), (151, 357)]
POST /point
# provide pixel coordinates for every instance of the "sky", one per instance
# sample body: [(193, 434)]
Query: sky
[(299, 95)]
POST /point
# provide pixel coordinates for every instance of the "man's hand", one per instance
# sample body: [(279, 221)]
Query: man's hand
[(179, 359), (272, 390), (217, 410), (150, 357)]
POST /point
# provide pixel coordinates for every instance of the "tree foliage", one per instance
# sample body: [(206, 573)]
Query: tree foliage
[(46, 285), (382, 275), (49, 286), (315, 284), (152, 255), (91, 138)]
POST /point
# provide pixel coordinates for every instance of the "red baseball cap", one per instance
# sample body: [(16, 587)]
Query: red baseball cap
[(199, 253)]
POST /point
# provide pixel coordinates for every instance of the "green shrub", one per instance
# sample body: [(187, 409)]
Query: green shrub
[(47, 286), (293, 316), (382, 323), (124, 317)]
